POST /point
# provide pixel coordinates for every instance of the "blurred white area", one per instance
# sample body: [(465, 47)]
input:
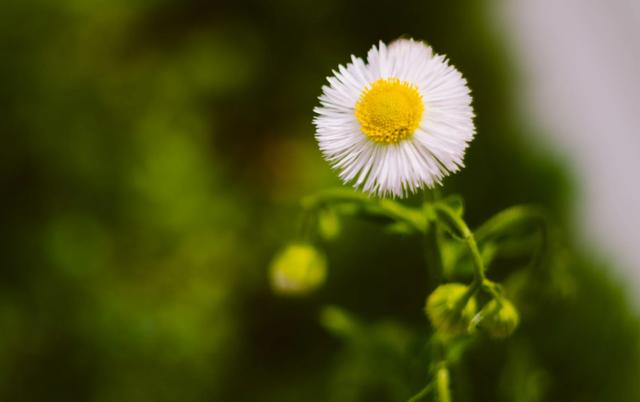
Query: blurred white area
[(580, 64)]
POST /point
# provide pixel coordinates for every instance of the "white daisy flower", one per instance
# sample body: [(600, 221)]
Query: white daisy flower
[(397, 123)]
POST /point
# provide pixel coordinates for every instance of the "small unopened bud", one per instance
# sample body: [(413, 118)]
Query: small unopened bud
[(298, 269), (450, 309), (328, 224), (500, 318)]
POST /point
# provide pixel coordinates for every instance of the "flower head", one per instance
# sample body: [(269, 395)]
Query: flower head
[(397, 123)]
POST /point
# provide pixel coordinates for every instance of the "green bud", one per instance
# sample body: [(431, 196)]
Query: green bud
[(297, 270), (500, 318), (446, 310), (338, 321), (328, 224)]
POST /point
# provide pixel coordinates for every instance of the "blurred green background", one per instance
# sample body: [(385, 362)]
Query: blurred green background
[(154, 155)]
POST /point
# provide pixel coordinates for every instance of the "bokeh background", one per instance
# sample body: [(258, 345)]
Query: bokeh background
[(577, 63), (154, 155)]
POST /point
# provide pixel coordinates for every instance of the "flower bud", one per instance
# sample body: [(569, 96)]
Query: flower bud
[(446, 310), (328, 224), (500, 318), (298, 269)]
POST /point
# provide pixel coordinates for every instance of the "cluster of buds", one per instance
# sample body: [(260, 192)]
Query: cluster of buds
[(452, 310)]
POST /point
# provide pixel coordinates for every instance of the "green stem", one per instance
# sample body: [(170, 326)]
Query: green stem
[(432, 250), (423, 393), (492, 289), (509, 218), (384, 207), (333, 195), (469, 239), (305, 231), (442, 384), (516, 217), (477, 259)]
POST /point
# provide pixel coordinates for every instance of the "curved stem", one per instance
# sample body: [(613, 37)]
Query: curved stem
[(423, 393), (384, 207), (510, 217), (502, 222), (492, 289), (477, 259), (305, 226), (334, 195), (469, 239)]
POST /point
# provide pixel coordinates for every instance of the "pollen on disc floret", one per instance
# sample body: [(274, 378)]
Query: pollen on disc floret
[(389, 110)]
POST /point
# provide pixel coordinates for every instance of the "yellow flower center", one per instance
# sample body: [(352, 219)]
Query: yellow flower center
[(389, 110)]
